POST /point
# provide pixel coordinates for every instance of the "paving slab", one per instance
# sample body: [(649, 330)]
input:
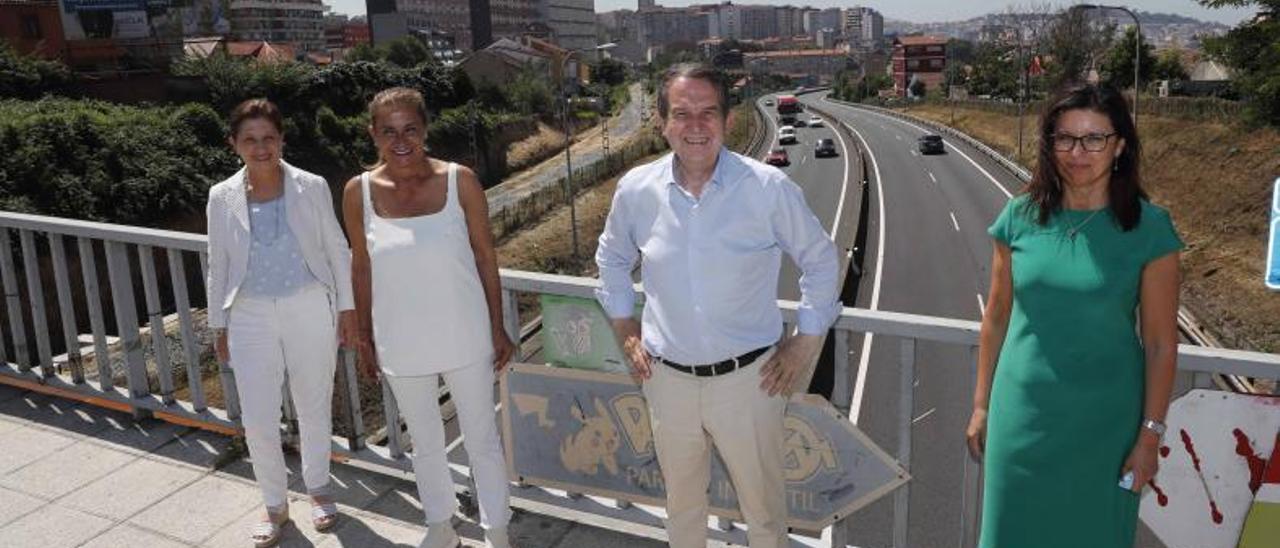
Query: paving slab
[(66, 469), (53, 527), (132, 489), (199, 510), (26, 444), (125, 535), (17, 504)]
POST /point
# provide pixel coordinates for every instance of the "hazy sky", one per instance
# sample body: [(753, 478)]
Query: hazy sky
[(921, 11)]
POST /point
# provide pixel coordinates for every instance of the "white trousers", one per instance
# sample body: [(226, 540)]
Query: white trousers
[(688, 415), (471, 389), (268, 337)]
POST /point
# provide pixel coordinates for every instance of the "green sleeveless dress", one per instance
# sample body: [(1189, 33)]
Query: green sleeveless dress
[(1066, 402)]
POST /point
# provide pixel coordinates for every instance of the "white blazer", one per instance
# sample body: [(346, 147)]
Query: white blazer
[(310, 214)]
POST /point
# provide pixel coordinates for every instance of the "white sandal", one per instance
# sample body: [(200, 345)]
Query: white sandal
[(267, 533), (324, 516)]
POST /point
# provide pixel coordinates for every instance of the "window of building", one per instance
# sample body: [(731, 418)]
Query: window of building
[(31, 27), (913, 63), (935, 63)]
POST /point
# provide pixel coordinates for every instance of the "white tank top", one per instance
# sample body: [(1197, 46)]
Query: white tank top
[(429, 310)]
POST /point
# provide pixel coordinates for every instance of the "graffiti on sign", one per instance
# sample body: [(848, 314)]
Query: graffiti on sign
[(589, 432), (576, 334), (1211, 466)]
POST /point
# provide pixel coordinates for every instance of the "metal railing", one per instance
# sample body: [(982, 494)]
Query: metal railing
[(151, 339)]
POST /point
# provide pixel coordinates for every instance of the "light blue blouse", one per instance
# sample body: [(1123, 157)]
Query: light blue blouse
[(276, 267)]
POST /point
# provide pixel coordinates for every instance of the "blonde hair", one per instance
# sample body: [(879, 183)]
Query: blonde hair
[(396, 98)]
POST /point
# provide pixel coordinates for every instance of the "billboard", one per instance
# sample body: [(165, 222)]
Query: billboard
[(588, 432), (133, 19)]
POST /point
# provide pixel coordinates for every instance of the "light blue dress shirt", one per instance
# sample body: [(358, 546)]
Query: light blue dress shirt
[(276, 268), (710, 264)]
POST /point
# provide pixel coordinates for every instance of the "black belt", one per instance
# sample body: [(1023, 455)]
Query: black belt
[(718, 368)]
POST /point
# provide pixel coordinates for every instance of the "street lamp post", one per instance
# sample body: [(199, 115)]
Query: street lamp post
[(1137, 48), (568, 142)]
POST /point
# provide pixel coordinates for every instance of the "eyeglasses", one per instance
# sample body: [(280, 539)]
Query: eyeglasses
[(1093, 142)]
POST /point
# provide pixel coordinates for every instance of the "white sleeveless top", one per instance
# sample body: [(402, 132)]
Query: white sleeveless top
[(429, 310)]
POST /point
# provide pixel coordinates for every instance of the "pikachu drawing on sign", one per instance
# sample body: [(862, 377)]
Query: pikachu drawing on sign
[(596, 444)]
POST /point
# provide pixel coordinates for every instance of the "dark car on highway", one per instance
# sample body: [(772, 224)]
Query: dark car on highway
[(931, 144), (778, 157), (824, 147)]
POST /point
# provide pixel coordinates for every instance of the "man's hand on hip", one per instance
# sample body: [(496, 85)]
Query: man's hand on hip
[(794, 353), (628, 332)]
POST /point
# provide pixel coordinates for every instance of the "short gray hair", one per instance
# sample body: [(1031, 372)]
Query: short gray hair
[(693, 71)]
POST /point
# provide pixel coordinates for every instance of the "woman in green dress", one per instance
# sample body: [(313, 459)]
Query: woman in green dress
[(1071, 394)]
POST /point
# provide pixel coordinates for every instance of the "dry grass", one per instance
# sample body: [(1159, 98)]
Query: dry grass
[(535, 148), (1216, 180)]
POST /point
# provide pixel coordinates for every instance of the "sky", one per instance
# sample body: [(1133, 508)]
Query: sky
[(919, 11)]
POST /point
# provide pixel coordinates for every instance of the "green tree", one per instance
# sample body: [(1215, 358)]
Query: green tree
[(1169, 66), (611, 72), (995, 71), (1251, 49), (1117, 66), (1073, 42), (406, 52), (29, 77)]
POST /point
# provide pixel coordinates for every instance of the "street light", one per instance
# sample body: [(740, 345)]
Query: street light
[(568, 141), (1137, 48)]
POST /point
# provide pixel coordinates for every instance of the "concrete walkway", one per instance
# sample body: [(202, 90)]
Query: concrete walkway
[(77, 475)]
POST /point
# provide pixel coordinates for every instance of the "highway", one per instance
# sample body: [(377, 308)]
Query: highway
[(927, 253)]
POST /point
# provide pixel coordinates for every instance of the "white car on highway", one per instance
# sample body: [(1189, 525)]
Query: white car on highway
[(786, 135), (815, 121)]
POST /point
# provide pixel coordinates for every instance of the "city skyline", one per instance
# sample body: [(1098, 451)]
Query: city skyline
[(915, 11)]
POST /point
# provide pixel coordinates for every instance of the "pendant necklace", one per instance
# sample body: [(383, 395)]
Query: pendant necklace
[(1075, 229)]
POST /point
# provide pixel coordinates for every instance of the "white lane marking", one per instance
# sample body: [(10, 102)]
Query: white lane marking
[(844, 187), (953, 220), (953, 147), (931, 177), (982, 306), (804, 159), (913, 152), (864, 360), (925, 414), (898, 137)]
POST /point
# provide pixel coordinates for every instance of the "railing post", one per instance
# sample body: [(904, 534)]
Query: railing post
[(349, 386), (906, 406), (122, 301), (226, 376), (840, 390), (191, 351), (66, 308), (511, 321), (13, 303), (155, 317), (35, 294), (93, 299), (391, 414)]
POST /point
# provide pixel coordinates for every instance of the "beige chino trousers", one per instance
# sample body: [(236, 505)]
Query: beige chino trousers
[(689, 414)]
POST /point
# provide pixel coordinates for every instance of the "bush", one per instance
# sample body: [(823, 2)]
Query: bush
[(29, 77), (103, 162)]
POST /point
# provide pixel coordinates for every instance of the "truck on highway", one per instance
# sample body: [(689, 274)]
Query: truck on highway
[(788, 108)]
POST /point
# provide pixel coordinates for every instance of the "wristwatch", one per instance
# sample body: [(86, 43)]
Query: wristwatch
[(1155, 426)]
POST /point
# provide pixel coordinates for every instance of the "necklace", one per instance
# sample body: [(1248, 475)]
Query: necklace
[(1076, 228)]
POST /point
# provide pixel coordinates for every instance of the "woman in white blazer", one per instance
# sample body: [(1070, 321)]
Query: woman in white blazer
[(280, 300)]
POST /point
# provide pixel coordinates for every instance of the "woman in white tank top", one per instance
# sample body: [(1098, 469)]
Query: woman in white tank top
[(427, 294)]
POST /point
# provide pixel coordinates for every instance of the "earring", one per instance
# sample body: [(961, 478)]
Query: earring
[(1115, 165)]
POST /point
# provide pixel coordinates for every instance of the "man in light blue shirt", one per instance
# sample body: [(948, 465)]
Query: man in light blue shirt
[(709, 227)]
